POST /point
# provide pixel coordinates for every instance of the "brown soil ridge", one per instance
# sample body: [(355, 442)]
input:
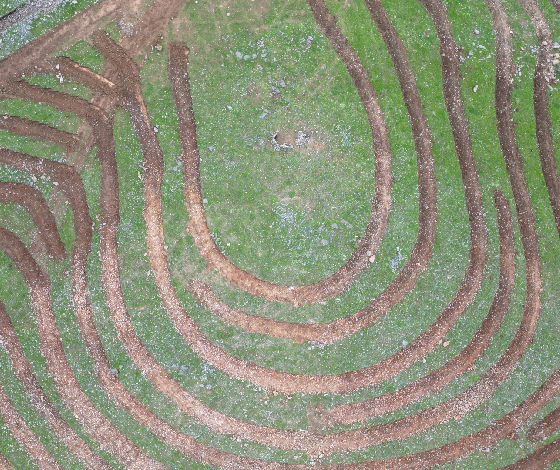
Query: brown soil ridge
[(152, 214), (438, 379), (15, 64), (92, 420), (550, 423), (39, 398), (421, 253), (24, 435), (26, 127), (33, 201), (5, 463), (71, 184), (267, 378), (369, 243)]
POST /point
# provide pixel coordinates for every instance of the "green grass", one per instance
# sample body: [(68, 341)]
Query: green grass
[(272, 212), (32, 28)]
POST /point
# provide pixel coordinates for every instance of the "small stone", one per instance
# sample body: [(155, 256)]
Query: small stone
[(404, 343), (159, 47), (475, 88), (238, 54), (205, 201), (372, 259), (445, 344), (302, 139)]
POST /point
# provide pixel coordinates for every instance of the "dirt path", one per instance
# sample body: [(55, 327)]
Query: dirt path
[(24, 435), (23, 126), (40, 212), (416, 264), (235, 367), (367, 246), (39, 398), (438, 379), (92, 420)]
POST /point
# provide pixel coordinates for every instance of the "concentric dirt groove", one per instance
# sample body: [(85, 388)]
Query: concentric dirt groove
[(120, 85), (43, 218), (369, 243), (39, 398), (405, 281)]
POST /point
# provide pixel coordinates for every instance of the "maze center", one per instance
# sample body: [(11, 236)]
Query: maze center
[(280, 235)]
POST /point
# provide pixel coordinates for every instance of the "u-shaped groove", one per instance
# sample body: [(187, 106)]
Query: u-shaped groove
[(368, 245), (427, 218), (33, 201), (39, 398)]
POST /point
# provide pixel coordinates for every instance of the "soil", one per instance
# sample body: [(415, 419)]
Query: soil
[(120, 85)]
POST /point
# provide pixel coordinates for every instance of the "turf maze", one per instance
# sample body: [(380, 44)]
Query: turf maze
[(337, 436)]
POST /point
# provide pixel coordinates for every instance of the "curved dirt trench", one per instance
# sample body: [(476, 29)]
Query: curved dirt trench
[(92, 420), (367, 246), (39, 398), (33, 201), (421, 253)]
